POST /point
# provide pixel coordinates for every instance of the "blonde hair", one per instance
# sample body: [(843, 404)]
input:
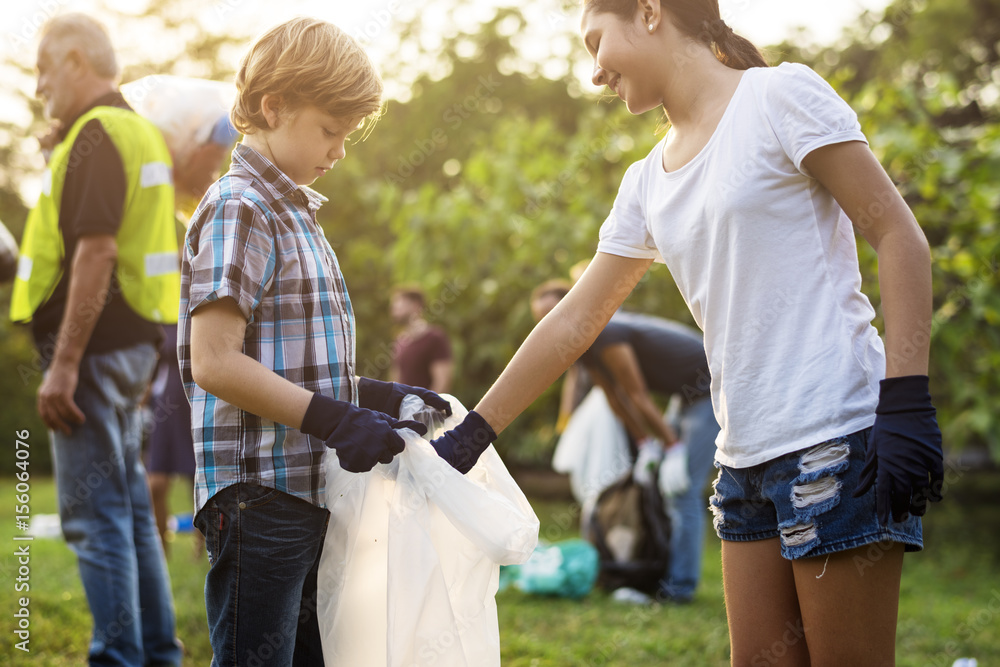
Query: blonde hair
[(88, 36), (305, 62)]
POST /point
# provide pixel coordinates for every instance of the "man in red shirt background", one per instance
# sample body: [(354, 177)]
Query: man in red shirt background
[(422, 352)]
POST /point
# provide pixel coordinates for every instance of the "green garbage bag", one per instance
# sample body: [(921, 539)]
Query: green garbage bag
[(564, 569)]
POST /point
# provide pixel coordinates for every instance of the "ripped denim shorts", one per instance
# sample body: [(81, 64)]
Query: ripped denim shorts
[(806, 499)]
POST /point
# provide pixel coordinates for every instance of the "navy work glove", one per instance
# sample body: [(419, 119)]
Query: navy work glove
[(361, 437), (904, 460), (462, 445), (386, 396)]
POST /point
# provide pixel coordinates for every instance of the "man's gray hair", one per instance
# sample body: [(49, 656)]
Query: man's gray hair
[(90, 37)]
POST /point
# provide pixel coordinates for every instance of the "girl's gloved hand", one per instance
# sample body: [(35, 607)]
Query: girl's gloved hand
[(904, 460), (462, 445)]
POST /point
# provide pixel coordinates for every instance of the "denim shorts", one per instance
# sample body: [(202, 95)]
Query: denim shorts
[(806, 499)]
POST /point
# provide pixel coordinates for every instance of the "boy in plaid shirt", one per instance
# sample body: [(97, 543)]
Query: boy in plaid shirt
[(266, 346)]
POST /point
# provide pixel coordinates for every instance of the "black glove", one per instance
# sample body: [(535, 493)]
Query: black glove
[(462, 445), (904, 459), (386, 396), (361, 437)]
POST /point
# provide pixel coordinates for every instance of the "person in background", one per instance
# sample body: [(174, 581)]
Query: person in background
[(422, 352), (193, 116), (96, 279), (633, 357)]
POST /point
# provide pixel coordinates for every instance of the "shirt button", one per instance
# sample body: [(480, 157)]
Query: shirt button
[(243, 506)]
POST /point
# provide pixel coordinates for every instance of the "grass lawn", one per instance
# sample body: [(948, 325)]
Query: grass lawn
[(949, 604)]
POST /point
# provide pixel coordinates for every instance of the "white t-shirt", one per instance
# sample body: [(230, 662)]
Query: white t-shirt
[(766, 260)]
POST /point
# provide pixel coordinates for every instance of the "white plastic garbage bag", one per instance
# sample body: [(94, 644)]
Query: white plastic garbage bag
[(410, 566), (593, 449)]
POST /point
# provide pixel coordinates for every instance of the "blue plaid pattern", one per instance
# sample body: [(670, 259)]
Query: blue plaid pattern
[(254, 238)]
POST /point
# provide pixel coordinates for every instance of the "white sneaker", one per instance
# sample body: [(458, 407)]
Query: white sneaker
[(630, 596)]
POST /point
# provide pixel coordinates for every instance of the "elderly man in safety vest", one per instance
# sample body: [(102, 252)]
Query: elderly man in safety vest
[(97, 276)]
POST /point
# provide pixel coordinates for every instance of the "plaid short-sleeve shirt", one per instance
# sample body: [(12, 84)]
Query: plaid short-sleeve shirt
[(255, 239)]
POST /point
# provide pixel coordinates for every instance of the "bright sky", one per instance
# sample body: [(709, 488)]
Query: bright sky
[(762, 21)]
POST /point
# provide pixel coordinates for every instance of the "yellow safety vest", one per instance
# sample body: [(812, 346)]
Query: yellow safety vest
[(147, 265)]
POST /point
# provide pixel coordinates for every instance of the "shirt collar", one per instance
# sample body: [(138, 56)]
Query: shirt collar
[(276, 181), (112, 99)]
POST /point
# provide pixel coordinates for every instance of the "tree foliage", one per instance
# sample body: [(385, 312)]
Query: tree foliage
[(489, 179), (925, 80)]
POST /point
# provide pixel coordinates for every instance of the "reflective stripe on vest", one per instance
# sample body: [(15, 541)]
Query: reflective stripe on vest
[(147, 265)]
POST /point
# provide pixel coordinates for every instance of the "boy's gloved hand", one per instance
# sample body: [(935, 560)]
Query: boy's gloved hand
[(674, 479), (646, 460), (386, 396), (904, 460), (462, 445), (361, 437)]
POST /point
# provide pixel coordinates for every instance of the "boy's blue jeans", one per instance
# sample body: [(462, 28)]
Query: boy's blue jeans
[(698, 429), (264, 546), (106, 516)]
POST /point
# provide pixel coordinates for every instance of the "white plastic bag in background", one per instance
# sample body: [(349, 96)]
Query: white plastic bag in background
[(593, 449), (410, 566), (184, 109)]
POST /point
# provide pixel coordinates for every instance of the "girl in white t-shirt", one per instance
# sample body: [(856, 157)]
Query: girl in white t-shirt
[(824, 466)]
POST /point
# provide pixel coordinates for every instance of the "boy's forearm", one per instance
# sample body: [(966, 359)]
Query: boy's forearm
[(219, 366), (249, 385)]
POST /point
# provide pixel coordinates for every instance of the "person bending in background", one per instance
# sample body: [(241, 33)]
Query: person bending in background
[(634, 356)]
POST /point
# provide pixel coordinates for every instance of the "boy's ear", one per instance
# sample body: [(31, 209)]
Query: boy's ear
[(271, 107)]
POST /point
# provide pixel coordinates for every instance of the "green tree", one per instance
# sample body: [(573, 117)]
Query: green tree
[(193, 49), (925, 80), (483, 184)]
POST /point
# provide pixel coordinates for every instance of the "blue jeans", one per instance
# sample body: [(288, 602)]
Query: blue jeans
[(698, 429), (106, 516), (264, 546)]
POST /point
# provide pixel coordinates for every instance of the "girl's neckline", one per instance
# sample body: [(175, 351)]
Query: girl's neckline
[(711, 140)]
